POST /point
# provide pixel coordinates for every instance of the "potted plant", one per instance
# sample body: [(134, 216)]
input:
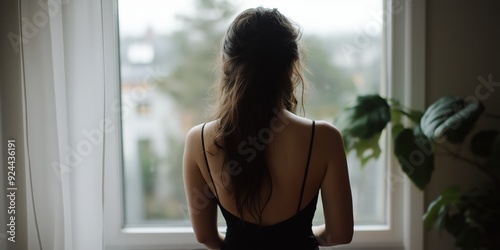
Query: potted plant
[(446, 127)]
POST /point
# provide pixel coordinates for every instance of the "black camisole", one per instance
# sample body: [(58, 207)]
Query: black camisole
[(292, 233)]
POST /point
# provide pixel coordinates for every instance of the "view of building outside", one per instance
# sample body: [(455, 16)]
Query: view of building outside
[(168, 56)]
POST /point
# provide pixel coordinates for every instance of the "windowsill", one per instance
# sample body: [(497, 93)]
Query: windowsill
[(188, 233), (199, 247), (182, 230)]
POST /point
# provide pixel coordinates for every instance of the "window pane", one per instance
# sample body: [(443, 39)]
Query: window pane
[(168, 53)]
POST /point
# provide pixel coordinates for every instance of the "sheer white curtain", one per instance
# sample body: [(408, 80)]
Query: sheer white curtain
[(64, 92)]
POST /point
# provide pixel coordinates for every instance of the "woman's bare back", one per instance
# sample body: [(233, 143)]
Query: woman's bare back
[(286, 142)]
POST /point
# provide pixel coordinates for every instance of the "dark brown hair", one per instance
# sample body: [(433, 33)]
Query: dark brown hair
[(260, 70)]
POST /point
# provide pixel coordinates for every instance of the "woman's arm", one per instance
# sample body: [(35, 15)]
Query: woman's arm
[(335, 191), (201, 203)]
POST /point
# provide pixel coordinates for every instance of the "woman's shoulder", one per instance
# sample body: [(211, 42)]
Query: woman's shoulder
[(193, 132), (327, 128), (328, 135), (322, 127), (193, 136), (197, 129)]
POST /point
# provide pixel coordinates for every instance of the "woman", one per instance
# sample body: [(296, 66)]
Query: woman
[(263, 165)]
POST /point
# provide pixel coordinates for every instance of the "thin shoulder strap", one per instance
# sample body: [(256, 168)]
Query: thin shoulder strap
[(206, 160), (307, 166)]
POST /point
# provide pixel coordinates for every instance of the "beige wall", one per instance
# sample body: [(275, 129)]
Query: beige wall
[(462, 43)]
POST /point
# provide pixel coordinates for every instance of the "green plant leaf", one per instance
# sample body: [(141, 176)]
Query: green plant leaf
[(450, 117), (437, 210), (432, 214), (415, 154), (416, 116), (480, 208), (395, 116), (481, 143), (367, 149), (396, 129), (454, 224), (413, 115), (394, 102), (366, 118), (348, 142)]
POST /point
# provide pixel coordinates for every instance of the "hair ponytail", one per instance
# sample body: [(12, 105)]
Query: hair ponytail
[(260, 70)]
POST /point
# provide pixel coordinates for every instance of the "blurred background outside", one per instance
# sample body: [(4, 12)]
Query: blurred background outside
[(168, 56)]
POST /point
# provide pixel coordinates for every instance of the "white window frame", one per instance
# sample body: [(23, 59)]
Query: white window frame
[(405, 50)]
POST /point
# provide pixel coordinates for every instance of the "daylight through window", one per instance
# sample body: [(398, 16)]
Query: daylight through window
[(168, 53)]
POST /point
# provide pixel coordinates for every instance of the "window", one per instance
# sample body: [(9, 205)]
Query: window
[(167, 53)]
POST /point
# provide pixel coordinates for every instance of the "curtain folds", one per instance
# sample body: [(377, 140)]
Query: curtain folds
[(64, 86)]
